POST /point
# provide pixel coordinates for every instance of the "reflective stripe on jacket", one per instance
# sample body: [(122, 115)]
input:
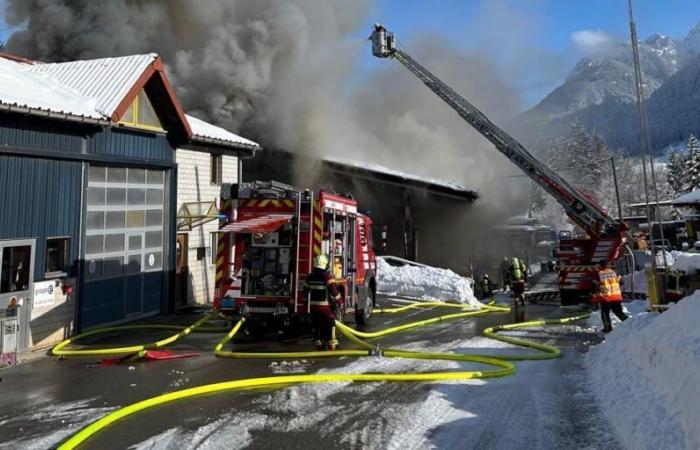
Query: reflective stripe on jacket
[(608, 287)]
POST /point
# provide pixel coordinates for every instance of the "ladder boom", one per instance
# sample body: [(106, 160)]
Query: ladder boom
[(582, 210)]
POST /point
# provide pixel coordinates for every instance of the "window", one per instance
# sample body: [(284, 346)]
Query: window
[(201, 253), (14, 275), (57, 254), (124, 221), (216, 169), (214, 246), (141, 114)]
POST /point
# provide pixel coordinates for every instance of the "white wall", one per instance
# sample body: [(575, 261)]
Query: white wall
[(194, 185)]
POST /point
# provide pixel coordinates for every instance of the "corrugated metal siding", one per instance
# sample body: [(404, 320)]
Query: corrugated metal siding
[(21, 131), (106, 80), (40, 198), (131, 144)]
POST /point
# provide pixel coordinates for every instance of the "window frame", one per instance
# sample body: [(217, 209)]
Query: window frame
[(216, 169), (214, 242), (134, 106), (51, 274)]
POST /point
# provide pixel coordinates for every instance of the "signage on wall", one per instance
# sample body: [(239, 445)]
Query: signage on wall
[(44, 294)]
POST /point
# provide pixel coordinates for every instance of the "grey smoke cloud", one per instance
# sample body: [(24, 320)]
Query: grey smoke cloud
[(278, 71)]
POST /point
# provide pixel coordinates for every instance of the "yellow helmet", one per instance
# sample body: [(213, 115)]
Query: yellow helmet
[(321, 262)]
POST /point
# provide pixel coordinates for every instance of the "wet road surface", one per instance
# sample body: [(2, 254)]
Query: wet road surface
[(545, 405)]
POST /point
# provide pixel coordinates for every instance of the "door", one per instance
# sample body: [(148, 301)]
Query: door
[(181, 268), (16, 284)]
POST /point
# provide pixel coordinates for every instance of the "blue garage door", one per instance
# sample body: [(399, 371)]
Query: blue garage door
[(124, 244)]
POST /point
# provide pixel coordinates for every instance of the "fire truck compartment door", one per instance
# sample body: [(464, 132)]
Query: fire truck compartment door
[(262, 224)]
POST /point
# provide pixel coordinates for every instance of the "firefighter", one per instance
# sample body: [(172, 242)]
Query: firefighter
[(517, 273), (324, 297), (486, 288), (505, 274), (607, 294)]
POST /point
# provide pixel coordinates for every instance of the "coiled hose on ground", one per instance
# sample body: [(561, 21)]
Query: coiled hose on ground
[(502, 363)]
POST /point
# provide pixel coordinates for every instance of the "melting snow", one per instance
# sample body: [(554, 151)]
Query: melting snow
[(424, 282)]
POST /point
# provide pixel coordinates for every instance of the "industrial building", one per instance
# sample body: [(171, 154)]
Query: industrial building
[(90, 156)]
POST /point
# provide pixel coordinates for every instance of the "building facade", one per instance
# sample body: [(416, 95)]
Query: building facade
[(89, 181)]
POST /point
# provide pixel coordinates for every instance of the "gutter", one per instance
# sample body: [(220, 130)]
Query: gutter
[(53, 115), (251, 149)]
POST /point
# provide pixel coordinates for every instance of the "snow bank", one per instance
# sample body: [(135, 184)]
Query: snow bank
[(645, 376), (429, 283), (686, 262)]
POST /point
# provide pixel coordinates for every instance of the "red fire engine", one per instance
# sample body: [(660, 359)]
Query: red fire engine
[(270, 233)]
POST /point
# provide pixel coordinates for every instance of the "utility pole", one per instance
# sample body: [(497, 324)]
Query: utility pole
[(646, 151), (617, 190)]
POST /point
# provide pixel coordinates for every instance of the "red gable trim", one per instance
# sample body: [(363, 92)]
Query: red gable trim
[(154, 72), (16, 58)]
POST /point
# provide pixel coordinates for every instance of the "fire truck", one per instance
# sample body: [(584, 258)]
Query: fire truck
[(269, 235), (605, 237)]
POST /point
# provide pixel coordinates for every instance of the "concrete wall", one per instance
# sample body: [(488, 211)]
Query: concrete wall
[(194, 185)]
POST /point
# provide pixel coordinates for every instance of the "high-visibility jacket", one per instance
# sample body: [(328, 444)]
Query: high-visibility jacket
[(321, 289), (608, 287)]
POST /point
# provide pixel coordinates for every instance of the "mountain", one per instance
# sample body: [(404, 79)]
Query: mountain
[(599, 92)]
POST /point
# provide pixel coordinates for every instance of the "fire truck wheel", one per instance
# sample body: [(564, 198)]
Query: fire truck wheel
[(363, 315)]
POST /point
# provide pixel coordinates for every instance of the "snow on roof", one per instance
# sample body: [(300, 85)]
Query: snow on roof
[(22, 88), (106, 80), (204, 131), (691, 198), (377, 168), (90, 88)]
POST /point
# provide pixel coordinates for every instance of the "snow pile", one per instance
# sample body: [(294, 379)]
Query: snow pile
[(645, 377), (686, 262), (428, 283)]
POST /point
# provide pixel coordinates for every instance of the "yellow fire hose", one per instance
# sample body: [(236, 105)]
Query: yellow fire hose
[(502, 362), (138, 350)]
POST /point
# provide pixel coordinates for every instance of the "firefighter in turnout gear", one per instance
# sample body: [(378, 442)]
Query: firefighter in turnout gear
[(607, 294), (322, 292), (517, 273), (486, 288)]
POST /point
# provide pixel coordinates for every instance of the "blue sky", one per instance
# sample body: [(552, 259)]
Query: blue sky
[(530, 40)]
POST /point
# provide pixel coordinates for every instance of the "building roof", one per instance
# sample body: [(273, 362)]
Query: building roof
[(395, 176), (692, 198), (26, 91), (207, 134), (101, 90), (107, 80)]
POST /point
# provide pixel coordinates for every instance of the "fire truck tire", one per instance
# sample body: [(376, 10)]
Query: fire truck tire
[(363, 312)]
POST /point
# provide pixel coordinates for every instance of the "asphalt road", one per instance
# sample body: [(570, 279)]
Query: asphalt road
[(545, 405)]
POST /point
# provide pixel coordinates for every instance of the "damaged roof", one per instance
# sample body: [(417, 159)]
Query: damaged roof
[(394, 176)]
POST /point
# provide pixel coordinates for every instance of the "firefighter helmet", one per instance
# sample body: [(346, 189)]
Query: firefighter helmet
[(321, 262)]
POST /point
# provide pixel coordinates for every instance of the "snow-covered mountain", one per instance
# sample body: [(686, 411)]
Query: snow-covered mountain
[(599, 92)]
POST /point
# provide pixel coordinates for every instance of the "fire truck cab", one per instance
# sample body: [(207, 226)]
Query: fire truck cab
[(269, 235)]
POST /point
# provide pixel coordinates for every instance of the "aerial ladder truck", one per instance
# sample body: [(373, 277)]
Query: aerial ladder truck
[(578, 256)]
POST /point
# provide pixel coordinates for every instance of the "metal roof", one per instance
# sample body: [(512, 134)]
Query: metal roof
[(35, 93), (107, 81), (93, 89), (399, 177), (206, 133)]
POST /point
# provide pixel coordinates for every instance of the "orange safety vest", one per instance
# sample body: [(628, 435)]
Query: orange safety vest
[(609, 288)]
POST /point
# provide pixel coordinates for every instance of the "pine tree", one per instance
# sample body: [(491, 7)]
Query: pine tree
[(675, 172), (692, 165)]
